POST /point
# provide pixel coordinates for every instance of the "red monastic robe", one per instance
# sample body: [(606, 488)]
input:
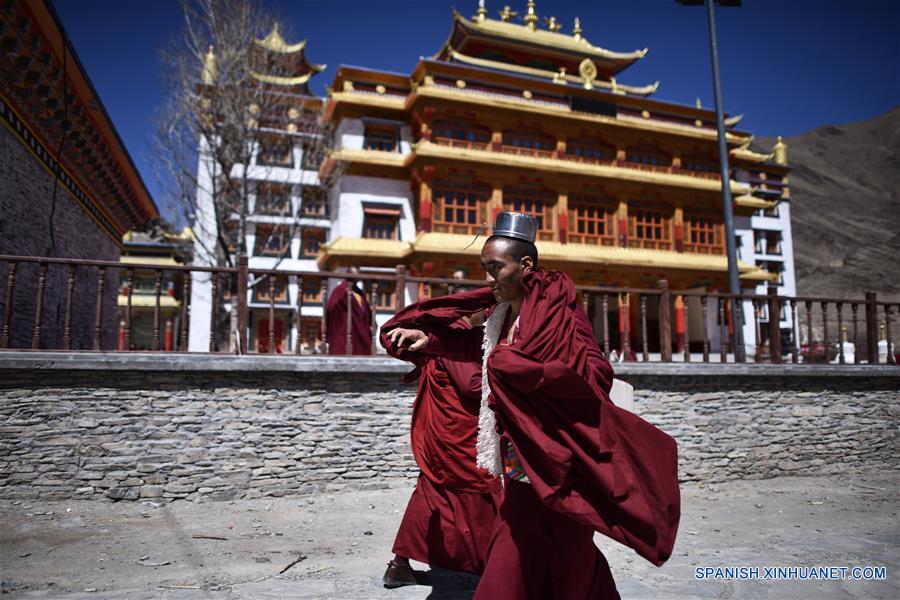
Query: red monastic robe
[(361, 320), (591, 465), (450, 516)]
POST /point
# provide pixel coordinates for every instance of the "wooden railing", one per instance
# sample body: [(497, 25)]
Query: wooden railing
[(631, 324)]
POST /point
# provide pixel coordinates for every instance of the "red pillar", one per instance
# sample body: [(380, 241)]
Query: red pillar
[(169, 335)]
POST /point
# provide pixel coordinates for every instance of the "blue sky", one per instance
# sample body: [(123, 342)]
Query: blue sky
[(787, 65)]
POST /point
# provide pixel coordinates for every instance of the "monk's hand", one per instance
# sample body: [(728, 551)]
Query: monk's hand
[(411, 339)]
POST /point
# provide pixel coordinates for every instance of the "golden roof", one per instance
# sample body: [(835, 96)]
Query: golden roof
[(552, 75), (275, 43), (552, 39)]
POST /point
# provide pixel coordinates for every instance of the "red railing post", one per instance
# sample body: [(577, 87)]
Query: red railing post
[(774, 328), (400, 295), (871, 328), (7, 309), (665, 322), (242, 314)]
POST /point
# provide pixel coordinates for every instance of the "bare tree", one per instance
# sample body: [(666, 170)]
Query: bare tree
[(221, 110), (231, 98)]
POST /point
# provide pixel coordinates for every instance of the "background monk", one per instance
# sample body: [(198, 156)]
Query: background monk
[(450, 515), (360, 318), (572, 462)]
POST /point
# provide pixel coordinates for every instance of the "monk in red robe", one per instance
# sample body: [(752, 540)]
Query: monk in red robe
[(572, 462), (450, 516), (360, 319)]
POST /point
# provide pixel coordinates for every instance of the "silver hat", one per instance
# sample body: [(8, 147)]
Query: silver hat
[(516, 225)]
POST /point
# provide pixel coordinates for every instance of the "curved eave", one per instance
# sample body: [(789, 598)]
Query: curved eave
[(749, 201), (523, 105), (276, 80), (750, 156), (550, 75), (548, 39)]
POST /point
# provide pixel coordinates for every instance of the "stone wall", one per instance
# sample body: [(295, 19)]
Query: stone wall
[(143, 426), (26, 203)]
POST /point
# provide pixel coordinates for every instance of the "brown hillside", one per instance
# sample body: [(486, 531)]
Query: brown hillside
[(845, 207)]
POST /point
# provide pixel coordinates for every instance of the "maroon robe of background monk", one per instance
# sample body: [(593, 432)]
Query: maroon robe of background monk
[(573, 463), (336, 318), (450, 516)]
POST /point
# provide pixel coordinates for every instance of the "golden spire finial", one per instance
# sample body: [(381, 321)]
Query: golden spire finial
[(780, 152), (210, 68), (481, 13), (552, 25), (506, 14), (531, 18), (576, 31)]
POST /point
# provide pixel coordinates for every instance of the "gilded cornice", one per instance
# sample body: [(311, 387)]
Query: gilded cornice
[(521, 104), (375, 248), (552, 75), (368, 99), (550, 39), (750, 201), (428, 149), (276, 80), (372, 157), (428, 243)]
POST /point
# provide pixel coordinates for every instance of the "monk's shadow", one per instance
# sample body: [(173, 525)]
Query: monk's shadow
[(448, 585)]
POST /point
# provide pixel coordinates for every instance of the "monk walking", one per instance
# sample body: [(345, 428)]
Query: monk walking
[(571, 462), (450, 515), (360, 319)]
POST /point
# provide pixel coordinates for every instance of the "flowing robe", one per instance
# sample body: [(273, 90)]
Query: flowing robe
[(450, 516), (591, 466), (361, 321)]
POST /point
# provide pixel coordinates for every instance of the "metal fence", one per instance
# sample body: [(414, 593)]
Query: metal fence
[(632, 324)]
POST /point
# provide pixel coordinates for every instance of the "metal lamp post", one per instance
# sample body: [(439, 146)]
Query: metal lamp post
[(734, 285)]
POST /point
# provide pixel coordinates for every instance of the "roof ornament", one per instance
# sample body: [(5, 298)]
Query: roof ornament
[(481, 13), (560, 77), (210, 68), (552, 24), (531, 18), (588, 71), (780, 151), (576, 31), (697, 103), (506, 14)]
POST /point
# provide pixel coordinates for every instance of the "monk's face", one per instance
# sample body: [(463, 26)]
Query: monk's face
[(504, 272)]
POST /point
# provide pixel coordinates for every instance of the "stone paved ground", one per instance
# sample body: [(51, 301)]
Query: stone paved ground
[(92, 550)]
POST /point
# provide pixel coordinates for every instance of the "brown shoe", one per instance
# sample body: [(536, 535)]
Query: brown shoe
[(398, 575)]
